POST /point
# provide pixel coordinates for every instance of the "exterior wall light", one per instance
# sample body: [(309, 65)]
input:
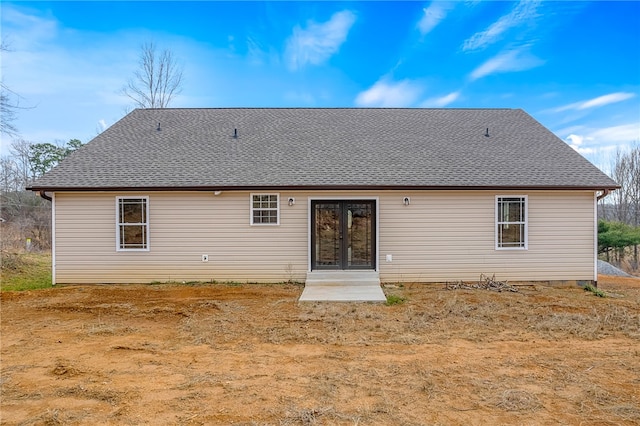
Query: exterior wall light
[(292, 201), (406, 201)]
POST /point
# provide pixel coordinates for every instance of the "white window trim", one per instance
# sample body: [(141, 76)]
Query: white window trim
[(53, 238), (595, 237), (252, 209), (126, 197), (526, 223)]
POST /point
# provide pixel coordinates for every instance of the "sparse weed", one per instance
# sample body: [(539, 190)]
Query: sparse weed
[(595, 291), (393, 299)]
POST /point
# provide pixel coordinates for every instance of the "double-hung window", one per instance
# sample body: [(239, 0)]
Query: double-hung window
[(132, 218), (511, 222), (265, 209)]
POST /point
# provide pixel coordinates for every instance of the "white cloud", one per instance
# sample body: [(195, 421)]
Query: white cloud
[(621, 134), (441, 101), (576, 141), (597, 102), (32, 29), (318, 42), (102, 125), (386, 93), (595, 143), (507, 61), (433, 15), (68, 79), (521, 12), (626, 133), (569, 130)]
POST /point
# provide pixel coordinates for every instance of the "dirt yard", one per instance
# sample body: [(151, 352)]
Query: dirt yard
[(250, 354)]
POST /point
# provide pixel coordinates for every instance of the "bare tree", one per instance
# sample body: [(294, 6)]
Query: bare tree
[(9, 175), (25, 214), (20, 151), (621, 213), (8, 105), (626, 171), (157, 80)]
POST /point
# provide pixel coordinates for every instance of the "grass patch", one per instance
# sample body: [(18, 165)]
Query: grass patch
[(392, 299), (595, 291), (25, 271)]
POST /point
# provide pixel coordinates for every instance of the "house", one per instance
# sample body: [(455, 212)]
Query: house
[(276, 194)]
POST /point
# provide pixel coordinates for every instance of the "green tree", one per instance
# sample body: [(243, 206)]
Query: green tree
[(616, 237), (45, 156)]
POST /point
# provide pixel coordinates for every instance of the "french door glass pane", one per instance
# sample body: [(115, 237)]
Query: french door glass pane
[(327, 231), (359, 234)]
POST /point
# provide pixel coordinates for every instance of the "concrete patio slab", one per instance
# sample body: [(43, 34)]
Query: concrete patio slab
[(343, 293)]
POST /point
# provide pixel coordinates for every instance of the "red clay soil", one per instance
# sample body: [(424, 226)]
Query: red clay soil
[(253, 355)]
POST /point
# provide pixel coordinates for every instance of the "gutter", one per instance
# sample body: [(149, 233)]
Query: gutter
[(322, 187), (605, 192), (44, 195)]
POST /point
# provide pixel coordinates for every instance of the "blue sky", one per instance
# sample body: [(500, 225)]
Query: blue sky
[(574, 66)]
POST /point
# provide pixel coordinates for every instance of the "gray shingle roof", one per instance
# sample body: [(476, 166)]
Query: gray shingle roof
[(324, 147)]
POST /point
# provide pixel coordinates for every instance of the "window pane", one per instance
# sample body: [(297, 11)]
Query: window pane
[(133, 236), (514, 209), (265, 216), (144, 210), (510, 210), (511, 235), (132, 211)]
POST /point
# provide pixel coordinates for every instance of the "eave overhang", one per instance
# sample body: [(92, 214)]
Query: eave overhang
[(322, 188)]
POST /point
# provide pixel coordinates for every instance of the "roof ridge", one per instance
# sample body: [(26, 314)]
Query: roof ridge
[(329, 108)]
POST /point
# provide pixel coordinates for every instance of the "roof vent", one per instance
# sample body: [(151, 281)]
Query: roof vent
[(235, 133), (487, 132), (158, 128)]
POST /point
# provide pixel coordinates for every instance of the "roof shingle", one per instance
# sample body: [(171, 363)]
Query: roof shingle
[(324, 147)]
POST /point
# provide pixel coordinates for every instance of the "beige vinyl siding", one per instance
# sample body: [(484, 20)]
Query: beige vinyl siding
[(182, 227), (451, 236), (440, 236)]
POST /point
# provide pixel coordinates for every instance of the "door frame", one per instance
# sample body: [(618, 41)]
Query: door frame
[(376, 201)]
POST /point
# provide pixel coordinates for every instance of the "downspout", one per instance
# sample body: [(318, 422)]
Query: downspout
[(44, 195), (604, 193)]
